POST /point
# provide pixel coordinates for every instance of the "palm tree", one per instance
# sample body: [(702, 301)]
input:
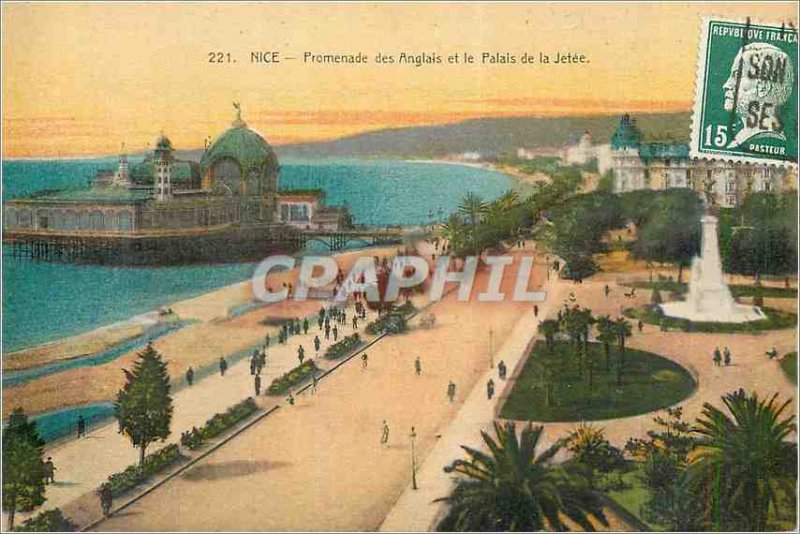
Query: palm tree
[(623, 330), (549, 328), (512, 488), (453, 231), (606, 335), (473, 207), (744, 459)]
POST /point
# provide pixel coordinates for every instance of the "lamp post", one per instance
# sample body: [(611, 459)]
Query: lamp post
[(491, 352), (413, 460)]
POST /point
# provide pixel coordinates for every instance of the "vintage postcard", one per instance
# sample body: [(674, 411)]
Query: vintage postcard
[(407, 266)]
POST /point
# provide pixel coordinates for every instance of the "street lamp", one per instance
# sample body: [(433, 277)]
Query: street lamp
[(491, 352), (413, 460)]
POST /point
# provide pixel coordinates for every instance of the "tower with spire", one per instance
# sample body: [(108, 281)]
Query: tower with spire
[(122, 177), (162, 159)]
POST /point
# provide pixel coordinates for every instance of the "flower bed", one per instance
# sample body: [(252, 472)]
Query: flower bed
[(394, 322), (343, 348), (136, 474), (47, 521), (296, 376), (218, 423)]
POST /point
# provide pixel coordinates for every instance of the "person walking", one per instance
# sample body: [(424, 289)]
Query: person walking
[(355, 322), (726, 355), (327, 331), (290, 399), (223, 366), (49, 471), (501, 370), (314, 384), (640, 325), (606, 290), (385, 433), (305, 326), (417, 366), (301, 354), (257, 384), (317, 343), (253, 363), (717, 357), (320, 321), (490, 389), (81, 427), (190, 376), (106, 498), (266, 341), (335, 333), (364, 361), (536, 310)]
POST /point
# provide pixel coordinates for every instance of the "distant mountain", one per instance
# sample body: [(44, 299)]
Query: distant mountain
[(487, 136)]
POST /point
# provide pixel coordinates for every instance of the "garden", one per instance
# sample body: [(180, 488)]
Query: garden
[(292, 378), (559, 383), (218, 423)]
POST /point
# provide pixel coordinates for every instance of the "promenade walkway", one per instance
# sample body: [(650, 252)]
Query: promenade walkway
[(415, 510), (83, 464)]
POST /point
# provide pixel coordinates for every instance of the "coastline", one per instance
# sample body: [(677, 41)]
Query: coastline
[(212, 333)]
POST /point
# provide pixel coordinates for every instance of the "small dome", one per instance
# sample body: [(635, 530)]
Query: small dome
[(163, 143), (242, 144)]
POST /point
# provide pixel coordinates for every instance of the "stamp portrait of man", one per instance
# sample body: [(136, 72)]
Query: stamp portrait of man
[(764, 75)]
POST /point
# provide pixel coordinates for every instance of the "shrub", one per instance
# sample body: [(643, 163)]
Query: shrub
[(47, 521), (298, 375), (655, 296), (218, 423), (136, 474), (393, 323), (343, 347)]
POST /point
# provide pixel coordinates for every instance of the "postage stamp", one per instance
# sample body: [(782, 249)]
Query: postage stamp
[(745, 106)]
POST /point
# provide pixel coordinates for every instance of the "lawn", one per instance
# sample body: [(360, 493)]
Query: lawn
[(737, 290), (649, 383), (789, 366), (776, 320)]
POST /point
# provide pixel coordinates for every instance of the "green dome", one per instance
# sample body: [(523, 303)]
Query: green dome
[(627, 134), (163, 143), (242, 144)]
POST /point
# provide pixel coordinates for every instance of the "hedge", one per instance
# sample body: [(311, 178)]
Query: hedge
[(47, 521), (343, 347), (218, 423), (296, 376), (136, 474), (775, 320), (393, 322)]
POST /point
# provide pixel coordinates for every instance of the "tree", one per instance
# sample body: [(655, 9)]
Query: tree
[(144, 405), (23, 467), (513, 488), (473, 208), (623, 330), (745, 459), (591, 450), (607, 335), (549, 328)]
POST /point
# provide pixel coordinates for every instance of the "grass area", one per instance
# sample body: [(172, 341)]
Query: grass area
[(776, 320), (737, 290), (789, 366), (627, 488), (649, 383)]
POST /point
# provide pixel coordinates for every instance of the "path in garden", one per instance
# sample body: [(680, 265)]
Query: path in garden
[(750, 369), (319, 465), (83, 464)]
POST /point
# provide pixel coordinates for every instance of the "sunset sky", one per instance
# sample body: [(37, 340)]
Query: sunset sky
[(80, 79)]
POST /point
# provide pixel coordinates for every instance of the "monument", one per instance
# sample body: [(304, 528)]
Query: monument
[(709, 298)]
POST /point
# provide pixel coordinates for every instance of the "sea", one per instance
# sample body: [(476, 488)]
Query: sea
[(43, 302)]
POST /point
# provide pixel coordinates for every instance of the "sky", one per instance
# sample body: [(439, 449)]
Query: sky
[(81, 79)]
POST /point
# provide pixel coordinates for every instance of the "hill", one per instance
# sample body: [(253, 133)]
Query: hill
[(488, 136)]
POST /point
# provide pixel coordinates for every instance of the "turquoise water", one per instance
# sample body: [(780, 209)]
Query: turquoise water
[(46, 301)]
